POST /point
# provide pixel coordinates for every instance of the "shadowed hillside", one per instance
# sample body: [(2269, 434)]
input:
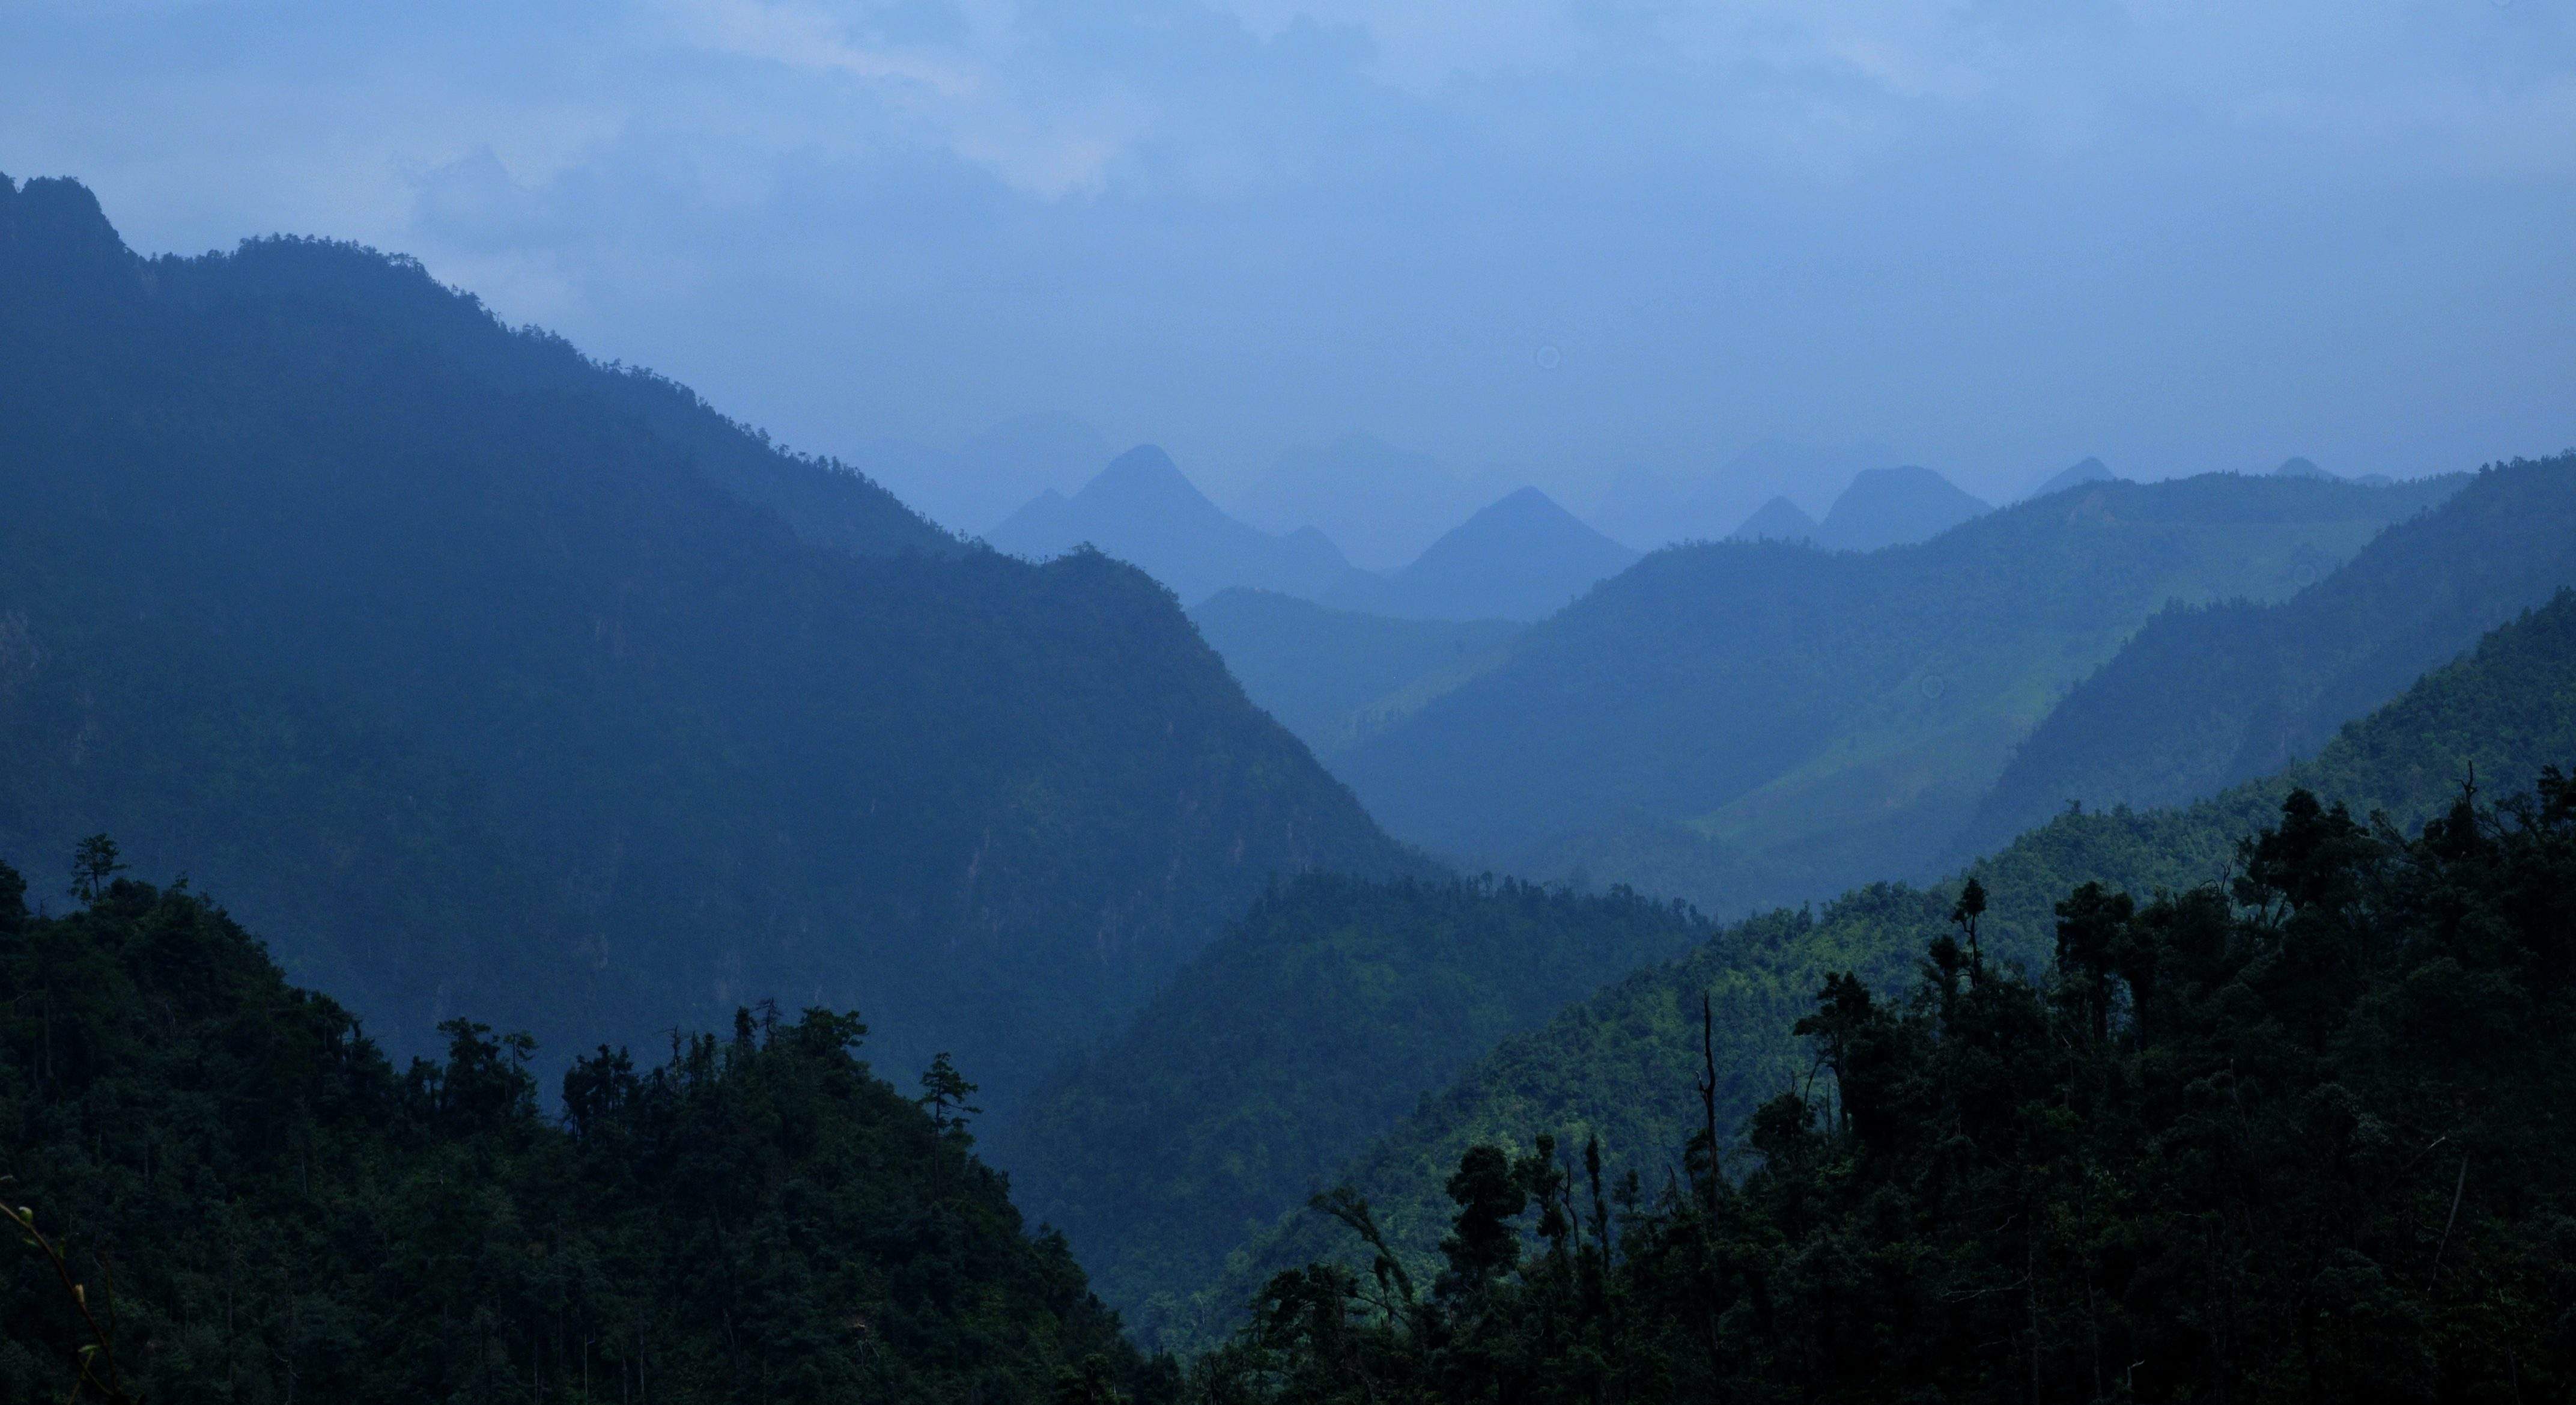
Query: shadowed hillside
[(487, 678)]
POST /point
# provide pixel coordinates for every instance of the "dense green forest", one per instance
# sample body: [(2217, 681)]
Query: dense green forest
[(261, 1207), (2302, 1136), (1312, 1025), (1335, 676), (1623, 1066), (1747, 723), (2206, 696), (481, 677)]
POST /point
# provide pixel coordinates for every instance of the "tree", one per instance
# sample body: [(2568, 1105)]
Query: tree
[(94, 867), (944, 1092)]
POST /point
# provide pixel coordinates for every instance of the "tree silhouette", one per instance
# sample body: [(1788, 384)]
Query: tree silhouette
[(944, 1092), (94, 867)]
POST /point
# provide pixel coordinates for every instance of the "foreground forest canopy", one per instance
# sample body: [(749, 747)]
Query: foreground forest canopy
[(2301, 1137), (272, 1211)]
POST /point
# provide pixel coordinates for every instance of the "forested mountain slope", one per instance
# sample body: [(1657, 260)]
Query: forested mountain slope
[(1624, 1065), (1310, 1027), (2300, 1136), (2207, 696), (264, 1208), (486, 678), (1749, 722)]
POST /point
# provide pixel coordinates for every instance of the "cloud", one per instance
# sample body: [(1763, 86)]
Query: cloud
[(1996, 233)]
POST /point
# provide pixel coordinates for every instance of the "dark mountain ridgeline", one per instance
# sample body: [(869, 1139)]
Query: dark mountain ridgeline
[(1746, 723), (1624, 1064), (487, 678), (281, 1214), (2210, 695), (1315, 1023)]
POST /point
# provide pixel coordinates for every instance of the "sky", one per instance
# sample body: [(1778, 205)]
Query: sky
[(1556, 240)]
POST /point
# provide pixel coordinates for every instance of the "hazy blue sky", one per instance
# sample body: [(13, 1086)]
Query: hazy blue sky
[(1569, 236)]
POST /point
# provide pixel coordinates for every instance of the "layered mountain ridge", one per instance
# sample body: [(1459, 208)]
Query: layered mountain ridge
[(483, 677)]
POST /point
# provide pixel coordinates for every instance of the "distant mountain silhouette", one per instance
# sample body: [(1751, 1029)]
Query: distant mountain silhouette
[(2089, 471), (1646, 509), (1522, 558), (1142, 510), (1894, 506), (1381, 504), (1335, 676), (1797, 721), (968, 489), (2295, 467), (1777, 520)]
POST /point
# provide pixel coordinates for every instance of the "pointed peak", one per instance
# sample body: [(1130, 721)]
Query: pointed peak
[(1143, 460), (1777, 520), (1524, 504), (1142, 475), (2090, 470)]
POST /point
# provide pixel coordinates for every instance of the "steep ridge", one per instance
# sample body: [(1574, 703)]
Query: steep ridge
[(1520, 558), (2207, 696), (1311, 1026), (1624, 1064), (487, 678), (1334, 676), (1141, 509), (1741, 723)]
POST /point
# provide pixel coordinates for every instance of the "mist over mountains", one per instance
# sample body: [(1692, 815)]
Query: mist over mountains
[(1521, 558), (1509, 960), (1140, 509)]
